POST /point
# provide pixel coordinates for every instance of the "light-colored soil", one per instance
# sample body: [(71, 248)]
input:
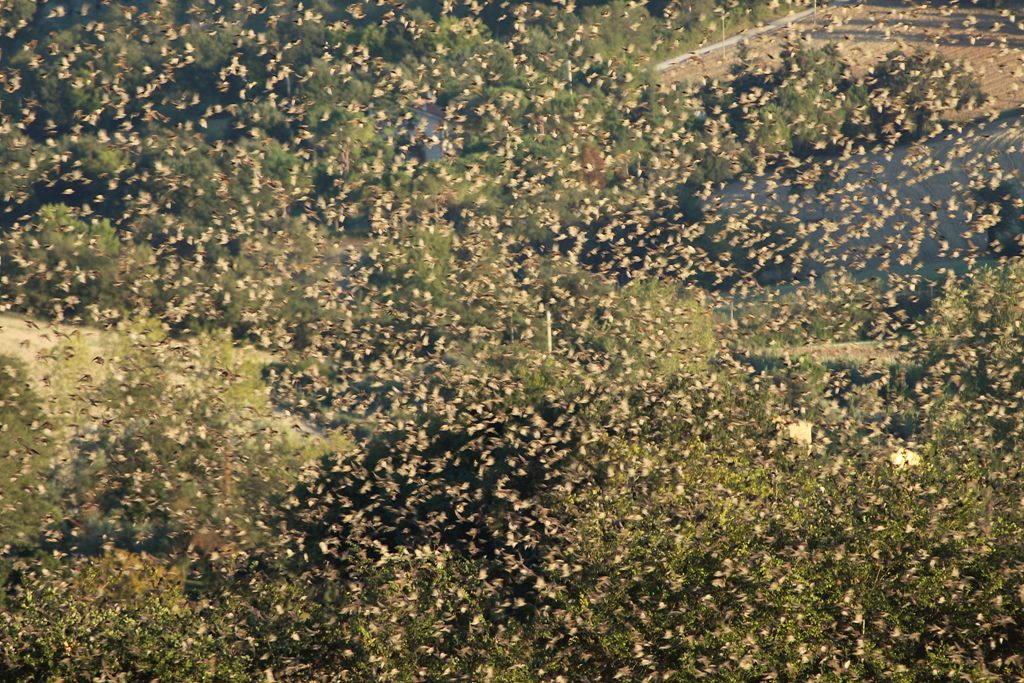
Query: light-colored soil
[(60, 359), (859, 352), (33, 342), (907, 210), (990, 42)]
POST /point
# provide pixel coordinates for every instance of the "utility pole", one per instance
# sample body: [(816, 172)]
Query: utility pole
[(568, 73), (547, 322)]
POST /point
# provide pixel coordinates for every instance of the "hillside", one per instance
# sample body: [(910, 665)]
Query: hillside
[(890, 209), (421, 341)]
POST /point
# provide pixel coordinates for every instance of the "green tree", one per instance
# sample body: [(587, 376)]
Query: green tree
[(908, 93), (62, 266), (28, 444)]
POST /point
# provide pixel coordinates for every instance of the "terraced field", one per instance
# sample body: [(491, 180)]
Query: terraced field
[(909, 209), (990, 41)]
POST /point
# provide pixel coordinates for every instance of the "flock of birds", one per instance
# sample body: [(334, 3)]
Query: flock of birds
[(475, 370)]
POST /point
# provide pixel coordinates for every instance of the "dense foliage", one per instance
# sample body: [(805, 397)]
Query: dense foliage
[(302, 384)]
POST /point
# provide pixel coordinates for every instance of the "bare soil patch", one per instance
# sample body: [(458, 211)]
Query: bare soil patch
[(990, 41)]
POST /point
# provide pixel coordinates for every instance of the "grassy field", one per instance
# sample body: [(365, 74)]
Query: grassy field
[(63, 359), (36, 343), (848, 353)]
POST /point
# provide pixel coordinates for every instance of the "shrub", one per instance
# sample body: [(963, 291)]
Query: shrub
[(28, 446)]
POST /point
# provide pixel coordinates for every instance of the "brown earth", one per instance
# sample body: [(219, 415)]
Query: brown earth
[(989, 41), (907, 209)]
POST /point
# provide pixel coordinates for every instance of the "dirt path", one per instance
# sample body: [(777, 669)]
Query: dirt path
[(812, 14), (857, 352)]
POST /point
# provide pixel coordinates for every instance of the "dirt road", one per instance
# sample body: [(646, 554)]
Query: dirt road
[(808, 15)]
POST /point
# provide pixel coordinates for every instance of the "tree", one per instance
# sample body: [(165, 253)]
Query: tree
[(27, 450), (910, 92), (62, 266)]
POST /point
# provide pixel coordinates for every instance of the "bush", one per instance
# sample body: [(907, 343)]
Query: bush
[(28, 446), (972, 347), (1006, 204), (190, 454), (62, 266), (122, 616)]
